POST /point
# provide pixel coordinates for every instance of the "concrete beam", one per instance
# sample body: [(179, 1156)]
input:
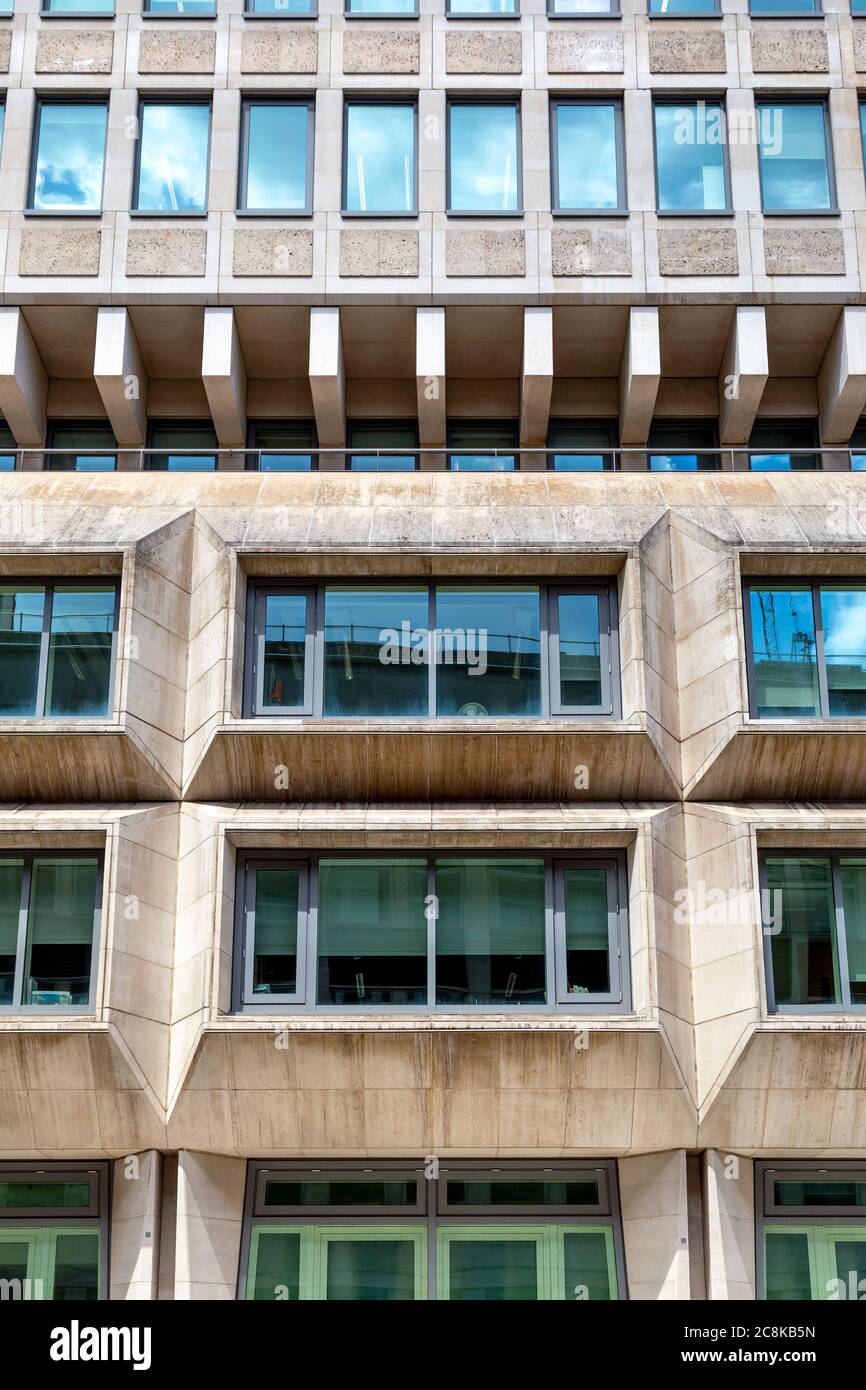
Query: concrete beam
[(639, 375), (842, 377), (23, 380), (328, 376), (536, 376), (121, 376), (745, 368), (224, 375), (430, 375)]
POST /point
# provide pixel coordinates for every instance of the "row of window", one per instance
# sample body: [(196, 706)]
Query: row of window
[(409, 9), (483, 164)]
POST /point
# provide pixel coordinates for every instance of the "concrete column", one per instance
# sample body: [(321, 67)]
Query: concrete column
[(842, 377), (328, 376), (536, 376), (210, 1209), (121, 376), (745, 368), (653, 1197), (639, 375), (23, 380), (430, 375), (135, 1225), (729, 1225), (225, 376)]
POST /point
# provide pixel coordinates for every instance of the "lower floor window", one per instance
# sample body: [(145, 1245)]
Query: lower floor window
[(812, 1231), (53, 1235), (49, 914)]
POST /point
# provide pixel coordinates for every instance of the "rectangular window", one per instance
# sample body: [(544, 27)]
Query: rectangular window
[(592, 441), (811, 1230), (794, 156), (785, 7), (379, 157), (394, 8), (276, 163), (85, 449), (172, 155), (857, 445), (7, 447), (49, 917), (184, 9), (587, 161), (681, 442), (465, 9), (817, 958), (68, 155), (182, 448), (581, 9), (282, 448), (371, 438), (281, 9), (53, 1230), (482, 448), (484, 171), (57, 648), (76, 7), (678, 7), (807, 649), (690, 143), (782, 446)]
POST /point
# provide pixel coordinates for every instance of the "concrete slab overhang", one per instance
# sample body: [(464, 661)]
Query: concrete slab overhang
[(821, 759), (78, 760)]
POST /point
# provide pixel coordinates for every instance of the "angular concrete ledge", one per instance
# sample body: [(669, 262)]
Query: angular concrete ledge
[(822, 761), (67, 763)]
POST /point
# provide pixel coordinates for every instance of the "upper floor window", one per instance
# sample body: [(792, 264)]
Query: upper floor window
[(579, 9), (691, 170), (379, 157), (7, 446), (677, 7), (281, 9), (49, 916), (369, 438), (172, 156), (87, 448), (419, 649), (780, 446), (807, 654), (276, 165), (794, 155), (508, 931), (484, 174), (494, 9), (53, 1230), (588, 165), (482, 448), (84, 7), (68, 155), (593, 441), (771, 7), (393, 8), (857, 445), (811, 1230), (182, 448), (674, 446), (184, 9), (270, 439), (816, 954), (57, 642)]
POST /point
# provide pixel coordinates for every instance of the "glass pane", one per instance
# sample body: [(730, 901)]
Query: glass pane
[(21, 620), (486, 438), (690, 156), (490, 936), (380, 157), (371, 1269), (284, 650), (173, 157), (372, 931), (279, 7), (7, 439), (783, 7), (683, 6), (60, 931), (78, 6), (376, 643), (787, 1266), (853, 874), (275, 949), (483, 157), (70, 154), (90, 449), (383, 437), (184, 9), (782, 447), (580, 7), (76, 1266), (579, 625), (380, 6), (523, 1192), (822, 1192), (783, 643), (493, 7), (493, 1269), (580, 437), (850, 1265), (805, 963), (11, 874), (342, 1192), (275, 1266), (166, 439), (276, 173), (488, 651), (586, 155), (14, 1264), (587, 948), (588, 1266), (21, 1195), (79, 650), (680, 440), (277, 437), (793, 154), (843, 616)]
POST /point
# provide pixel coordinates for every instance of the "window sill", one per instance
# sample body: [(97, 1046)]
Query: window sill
[(694, 212), (376, 216), (279, 18), (78, 14), (484, 216), (68, 213), (401, 1021), (801, 212), (596, 15), (695, 14), (274, 213), (391, 18), (178, 18), (174, 216), (594, 213)]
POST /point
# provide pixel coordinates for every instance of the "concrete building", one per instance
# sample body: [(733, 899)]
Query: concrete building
[(432, 649)]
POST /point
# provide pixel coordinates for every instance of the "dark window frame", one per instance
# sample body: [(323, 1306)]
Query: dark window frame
[(84, 13), (780, 99), (163, 424), (814, 451), (383, 14), (350, 98), (18, 1009), (768, 1216), (170, 99), (70, 98), (249, 13), (49, 585), (682, 102), (612, 12), (407, 423), (98, 1172), (270, 99), (557, 100), (681, 426), (481, 14), (610, 424), (61, 424), (714, 13), (457, 423), (485, 99), (250, 465)]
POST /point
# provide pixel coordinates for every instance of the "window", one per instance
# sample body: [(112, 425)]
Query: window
[(83, 7), (858, 6), (413, 649), (592, 440), (587, 159), (481, 448), (88, 449), (681, 441), (678, 7), (513, 1232), (579, 9), (172, 155), (807, 648), (389, 437), (68, 156), (356, 931), (7, 446), (794, 156), (53, 1230), (484, 157), (281, 9), (771, 7), (184, 9), (182, 448), (816, 956), (270, 440), (857, 445), (496, 9), (690, 141), (379, 157), (778, 446), (811, 1228), (276, 165), (394, 8), (57, 648), (49, 917)]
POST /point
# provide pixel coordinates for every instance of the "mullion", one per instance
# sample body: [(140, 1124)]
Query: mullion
[(820, 658), (431, 649), (45, 642), (432, 929), (839, 928), (23, 917)]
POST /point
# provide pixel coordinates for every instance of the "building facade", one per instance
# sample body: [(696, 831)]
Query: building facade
[(433, 807)]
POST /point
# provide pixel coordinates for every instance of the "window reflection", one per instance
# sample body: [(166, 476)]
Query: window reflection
[(587, 155), (483, 157), (690, 156), (173, 156), (70, 155), (793, 155), (276, 152), (379, 157)]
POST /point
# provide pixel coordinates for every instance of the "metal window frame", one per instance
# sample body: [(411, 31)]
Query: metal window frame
[(510, 425), (11, 1170), (84, 13), (100, 1173), (202, 423), (382, 14), (245, 928), (597, 99), (350, 99), (148, 13), (252, 463), (257, 596), (477, 1170), (69, 98), (683, 102), (485, 99), (781, 99), (813, 452), (48, 585), (840, 1170), (766, 1169), (619, 994), (409, 423), (249, 13), (336, 1170), (817, 12), (611, 425), (18, 1008), (482, 14), (608, 644), (55, 425), (681, 426), (613, 12), (714, 13), (270, 99), (170, 99)]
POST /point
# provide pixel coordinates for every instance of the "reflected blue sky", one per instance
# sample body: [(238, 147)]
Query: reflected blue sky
[(70, 155), (77, 7), (277, 156), (380, 157), (793, 156), (483, 157), (690, 157), (586, 155), (173, 157)]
